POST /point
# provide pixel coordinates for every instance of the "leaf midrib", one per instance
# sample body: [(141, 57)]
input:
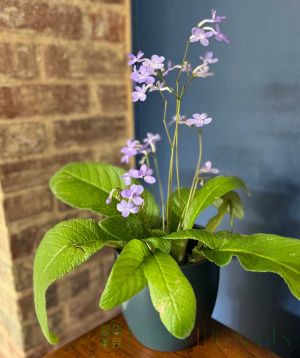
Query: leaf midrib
[(167, 286)]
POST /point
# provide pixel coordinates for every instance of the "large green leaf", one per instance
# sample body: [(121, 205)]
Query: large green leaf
[(211, 190), (124, 229), (258, 252), (171, 293), (150, 213), (127, 276), (63, 248), (87, 186)]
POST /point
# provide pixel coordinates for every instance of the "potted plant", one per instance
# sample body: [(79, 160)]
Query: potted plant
[(166, 269)]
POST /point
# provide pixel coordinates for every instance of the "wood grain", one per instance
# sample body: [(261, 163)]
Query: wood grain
[(114, 340)]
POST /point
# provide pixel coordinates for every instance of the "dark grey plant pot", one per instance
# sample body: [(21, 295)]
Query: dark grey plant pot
[(144, 322)]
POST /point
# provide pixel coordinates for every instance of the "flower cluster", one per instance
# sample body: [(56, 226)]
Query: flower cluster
[(203, 32), (147, 72), (135, 147), (130, 199)]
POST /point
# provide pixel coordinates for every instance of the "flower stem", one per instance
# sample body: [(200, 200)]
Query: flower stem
[(194, 182), (161, 192)]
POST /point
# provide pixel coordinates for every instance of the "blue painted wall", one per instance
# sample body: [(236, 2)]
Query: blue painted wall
[(254, 100)]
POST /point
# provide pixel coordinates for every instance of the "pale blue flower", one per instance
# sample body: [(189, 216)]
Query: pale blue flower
[(134, 59), (201, 36), (126, 208)]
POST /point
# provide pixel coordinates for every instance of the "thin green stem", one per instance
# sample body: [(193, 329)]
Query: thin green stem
[(194, 182), (165, 117), (161, 192), (183, 60)]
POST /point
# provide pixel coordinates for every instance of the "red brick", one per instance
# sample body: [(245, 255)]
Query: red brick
[(18, 140), (66, 62), (26, 241), (61, 20), (18, 61), (26, 304), (113, 98), (29, 173), (23, 271), (80, 282), (24, 205), (42, 100), (108, 26), (90, 130)]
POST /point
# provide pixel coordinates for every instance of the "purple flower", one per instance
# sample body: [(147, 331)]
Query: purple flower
[(126, 178), (133, 194), (198, 120), (130, 150), (150, 141), (207, 168), (156, 62), (215, 18), (127, 208), (209, 58), (139, 94), (220, 36), (109, 199), (133, 59), (201, 36), (143, 75), (144, 172), (187, 67)]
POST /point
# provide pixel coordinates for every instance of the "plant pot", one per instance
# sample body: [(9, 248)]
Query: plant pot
[(144, 322)]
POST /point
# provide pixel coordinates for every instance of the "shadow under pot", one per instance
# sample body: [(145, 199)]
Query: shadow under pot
[(144, 322)]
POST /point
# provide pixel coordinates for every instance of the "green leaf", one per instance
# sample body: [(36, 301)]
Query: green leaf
[(127, 276), (234, 204), (212, 189), (87, 186), (63, 248), (124, 229), (178, 202), (150, 213), (171, 293), (215, 221), (158, 243), (258, 252)]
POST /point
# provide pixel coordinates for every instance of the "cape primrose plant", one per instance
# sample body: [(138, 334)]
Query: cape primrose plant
[(152, 238)]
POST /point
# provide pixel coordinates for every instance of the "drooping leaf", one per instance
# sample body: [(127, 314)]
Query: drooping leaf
[(124, 229), (63, 248), (127, 276), (211, 190), (87, 186), (216, 220), (158, 243), (234, 204), (171, 293), (258, 252)]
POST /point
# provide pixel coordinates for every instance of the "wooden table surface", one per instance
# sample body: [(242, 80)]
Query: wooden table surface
[(113, 340)]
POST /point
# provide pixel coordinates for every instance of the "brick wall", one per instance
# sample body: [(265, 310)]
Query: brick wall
[(64, 96)]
